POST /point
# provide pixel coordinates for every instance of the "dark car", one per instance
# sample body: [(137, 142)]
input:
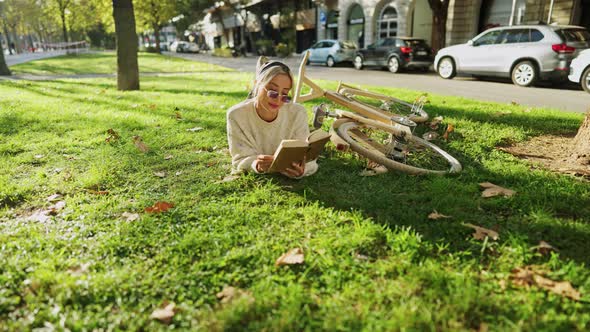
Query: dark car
[(396, 54)]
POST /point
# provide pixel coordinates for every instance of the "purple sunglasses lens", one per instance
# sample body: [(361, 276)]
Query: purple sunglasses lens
[(286, 99), (272, 94)]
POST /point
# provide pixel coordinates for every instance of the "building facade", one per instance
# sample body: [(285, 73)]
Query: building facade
[(303, 22)]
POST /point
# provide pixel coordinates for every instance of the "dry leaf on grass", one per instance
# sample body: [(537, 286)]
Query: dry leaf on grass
[(373, 169), (481, 233), (529, 276), (54, 197), (138, 141), (293, 256), (159, 207), (39, 156), (195, 129), (160, 174), (435, 122), (98, 192), (178, 116), (164, 314), (544, 248), (78, 270), (229, 293), (435, 215), (491, 190), (44, 214), (168, 157), (450, 129), (113, 136), (228, 178), (130, 216)]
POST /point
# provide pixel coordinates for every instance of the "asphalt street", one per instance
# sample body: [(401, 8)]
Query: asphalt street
[(15, 59), (565, 97)]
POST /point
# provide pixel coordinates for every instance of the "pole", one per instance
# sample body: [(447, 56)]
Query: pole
[(512, 12), (550, 12)]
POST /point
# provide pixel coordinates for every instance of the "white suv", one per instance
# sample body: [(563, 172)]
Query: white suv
[(525, 53)]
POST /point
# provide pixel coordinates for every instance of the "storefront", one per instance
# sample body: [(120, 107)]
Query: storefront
[(332, 25), (356, 26)]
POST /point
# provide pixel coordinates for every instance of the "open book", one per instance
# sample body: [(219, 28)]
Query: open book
[(295, 151)]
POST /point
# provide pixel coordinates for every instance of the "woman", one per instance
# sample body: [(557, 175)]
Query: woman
[(256, 126)]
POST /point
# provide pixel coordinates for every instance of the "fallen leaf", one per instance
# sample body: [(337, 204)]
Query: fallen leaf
[(195, 129), (491, 190), (513, 103), (375, 171), (229, 293), (160, 174), (130, 216), (481, 233), (178, 116), (293, 256), (113, 136), (99, 192), (168, 157), (39, 156), (228, 178), (159, 207), (178, 173), (152, 106), (528, 276), (78, 270), (435, 122), (544, 248), (165, 314), (431, 135), (450, 129), (54, 197), (138, 141), (435, 215)]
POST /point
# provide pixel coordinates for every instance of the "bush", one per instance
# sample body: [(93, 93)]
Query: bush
[(222, 52), (264, 47), (283, 50)]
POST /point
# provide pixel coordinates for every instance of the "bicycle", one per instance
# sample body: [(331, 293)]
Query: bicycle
[(377, 133)]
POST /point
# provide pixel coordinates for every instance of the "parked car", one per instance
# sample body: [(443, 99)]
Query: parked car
[(525, 53), (580, 70), (396, 54), (184, 47), (332, 52)]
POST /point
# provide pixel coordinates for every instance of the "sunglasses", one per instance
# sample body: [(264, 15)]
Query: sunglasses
[(272, 94)]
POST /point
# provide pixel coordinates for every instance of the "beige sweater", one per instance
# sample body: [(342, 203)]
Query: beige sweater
[(248, 135)]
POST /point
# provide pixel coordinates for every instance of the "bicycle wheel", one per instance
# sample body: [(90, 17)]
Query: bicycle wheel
[(411, 155)]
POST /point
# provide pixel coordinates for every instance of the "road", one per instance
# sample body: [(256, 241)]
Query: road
[(565, 97)]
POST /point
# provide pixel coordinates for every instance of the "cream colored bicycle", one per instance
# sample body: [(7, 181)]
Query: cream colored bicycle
[(383, 134)]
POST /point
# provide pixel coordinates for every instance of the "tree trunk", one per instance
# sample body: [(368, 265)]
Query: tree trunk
[(4, 71), (581, 144), (440, 10), (64, 27), (8, 38), (156, 28), (126, 39)]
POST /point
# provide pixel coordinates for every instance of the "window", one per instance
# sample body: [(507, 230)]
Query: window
[(328, 44), (574, 35), (488, 39), (388, 22), (512, 36), (347, 45), (536, 35)]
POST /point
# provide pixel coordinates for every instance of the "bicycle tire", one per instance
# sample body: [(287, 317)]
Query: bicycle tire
[(420, 163)]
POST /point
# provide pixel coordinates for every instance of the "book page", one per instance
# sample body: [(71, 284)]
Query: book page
[(288, 152)]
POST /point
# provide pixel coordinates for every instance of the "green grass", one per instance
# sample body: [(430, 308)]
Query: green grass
[(106, 63), (373, 261)]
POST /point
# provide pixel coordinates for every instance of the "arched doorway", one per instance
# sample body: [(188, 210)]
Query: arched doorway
[(356, 25), (387, 23)]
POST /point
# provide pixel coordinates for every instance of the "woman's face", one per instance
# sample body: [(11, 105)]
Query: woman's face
[(281, 83)]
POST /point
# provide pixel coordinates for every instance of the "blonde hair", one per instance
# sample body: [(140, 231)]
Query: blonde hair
[(265, 72)]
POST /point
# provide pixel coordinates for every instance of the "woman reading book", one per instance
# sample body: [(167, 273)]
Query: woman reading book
[(257, 126)]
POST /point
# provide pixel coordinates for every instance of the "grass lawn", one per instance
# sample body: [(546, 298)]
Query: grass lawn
[(106, 63), (373, 260)]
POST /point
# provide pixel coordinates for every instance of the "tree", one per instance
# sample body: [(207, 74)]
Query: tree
[(440, 11), (62, 8), (154, 14), (581, 144), (126, 36)]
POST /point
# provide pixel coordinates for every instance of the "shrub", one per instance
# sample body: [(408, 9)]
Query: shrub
[(283, 50), (222, 52)]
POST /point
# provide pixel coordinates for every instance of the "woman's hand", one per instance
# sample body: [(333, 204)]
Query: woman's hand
[(263, 162), (296, 171)]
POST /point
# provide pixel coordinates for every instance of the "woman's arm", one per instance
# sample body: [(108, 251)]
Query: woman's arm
[(242, 151)]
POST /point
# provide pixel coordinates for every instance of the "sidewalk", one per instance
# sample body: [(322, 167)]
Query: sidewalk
[(15, 59)]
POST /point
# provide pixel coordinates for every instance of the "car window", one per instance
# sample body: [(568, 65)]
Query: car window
[(347, 45), (328, 44), (380, 42), (316, 45), (574, 35), (416, 42), (389, 42), (488, 39), (536, 35), (512, 36)]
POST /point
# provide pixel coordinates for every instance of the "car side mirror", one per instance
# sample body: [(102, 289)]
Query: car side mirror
[(470, 42)]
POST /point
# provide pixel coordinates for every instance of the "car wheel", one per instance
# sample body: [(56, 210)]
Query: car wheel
[(330, 62), (393, 65), (585, 80), (446, 68), (524, 74), (358, 62)]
